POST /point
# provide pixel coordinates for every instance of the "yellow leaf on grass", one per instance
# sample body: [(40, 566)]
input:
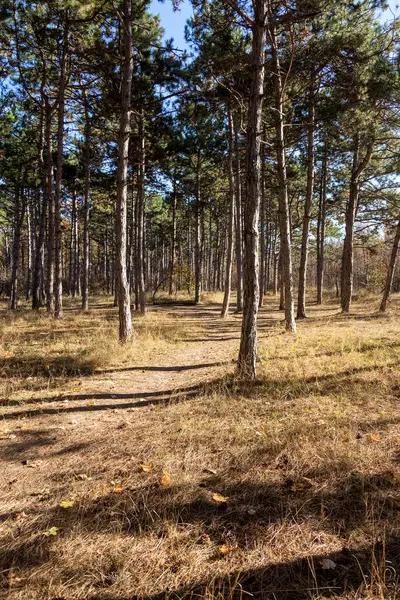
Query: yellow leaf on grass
[(67, 503), (146, 467), (166, 478), (51, 531), (225, 548), (220, 498), (375, 438), (118, 489)]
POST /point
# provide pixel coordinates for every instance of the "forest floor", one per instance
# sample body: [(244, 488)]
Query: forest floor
[(148, 471)]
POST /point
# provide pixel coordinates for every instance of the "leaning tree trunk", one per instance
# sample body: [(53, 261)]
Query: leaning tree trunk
[(140, 219), (86, 209), (284, 212), (58, 275), (301, 300), (390, 274), (231, 221), (239, 224), (321, 229), (351, 211), (248, 342), (122, 291)]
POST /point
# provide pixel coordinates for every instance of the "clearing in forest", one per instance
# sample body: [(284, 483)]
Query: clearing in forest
[(149, 471)]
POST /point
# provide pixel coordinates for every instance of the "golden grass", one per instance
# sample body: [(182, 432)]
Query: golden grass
[(38, 352), (306, 463)]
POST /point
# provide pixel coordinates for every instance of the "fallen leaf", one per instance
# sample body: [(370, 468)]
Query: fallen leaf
[(31, 463), (327, 563), (211, 471), (67, 503), (166, 478), (21, 515), (118, 489), (375, 438), (146, 467), (51, 531), (220, 498), (302, 485), (225, 548)]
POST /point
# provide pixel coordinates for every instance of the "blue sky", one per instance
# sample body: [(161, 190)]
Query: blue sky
[(173, 22)]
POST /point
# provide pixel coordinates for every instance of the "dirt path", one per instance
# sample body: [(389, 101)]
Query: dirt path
[(207, 353)]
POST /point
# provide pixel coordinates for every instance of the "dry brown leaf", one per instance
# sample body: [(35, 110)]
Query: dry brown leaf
[(21, 515), (166, 478), (225, 548), (220, 498)]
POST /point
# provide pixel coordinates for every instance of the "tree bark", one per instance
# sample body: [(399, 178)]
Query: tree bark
[(262, 228), (197, 241), (58, 275), (239, 223), (30, 251), (390, 274), (351, 211), (19, 212), (140, 219), (284, 211), (49, 201), (125, 319), (301, 300), (173, 241), (248, 343), (231, 221), (321, 228), (86, 208)]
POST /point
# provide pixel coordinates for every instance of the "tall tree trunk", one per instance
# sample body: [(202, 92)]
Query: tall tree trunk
[(140, 267), (86, 207), (321, 228), (239, 223), (390, 274), (197, 240), (231, 221), (248, 343), (19, 212), (30, 247), (58, 274), (122, 291), (351, 211), (173, 241), (301, 300), (49, 195), (262, 228), (41, 210), (284, 211)]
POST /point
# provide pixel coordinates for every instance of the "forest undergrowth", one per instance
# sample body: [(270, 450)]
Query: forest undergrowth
[(149, 471)]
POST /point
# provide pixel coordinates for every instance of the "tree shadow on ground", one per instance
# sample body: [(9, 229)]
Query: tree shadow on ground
[(242, 518), (32, 365)]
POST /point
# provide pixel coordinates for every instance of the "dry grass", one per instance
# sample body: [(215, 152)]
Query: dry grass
[(307, 460), (37, 352)]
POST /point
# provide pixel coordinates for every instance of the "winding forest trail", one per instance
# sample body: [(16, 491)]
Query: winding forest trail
[(208, 352)]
